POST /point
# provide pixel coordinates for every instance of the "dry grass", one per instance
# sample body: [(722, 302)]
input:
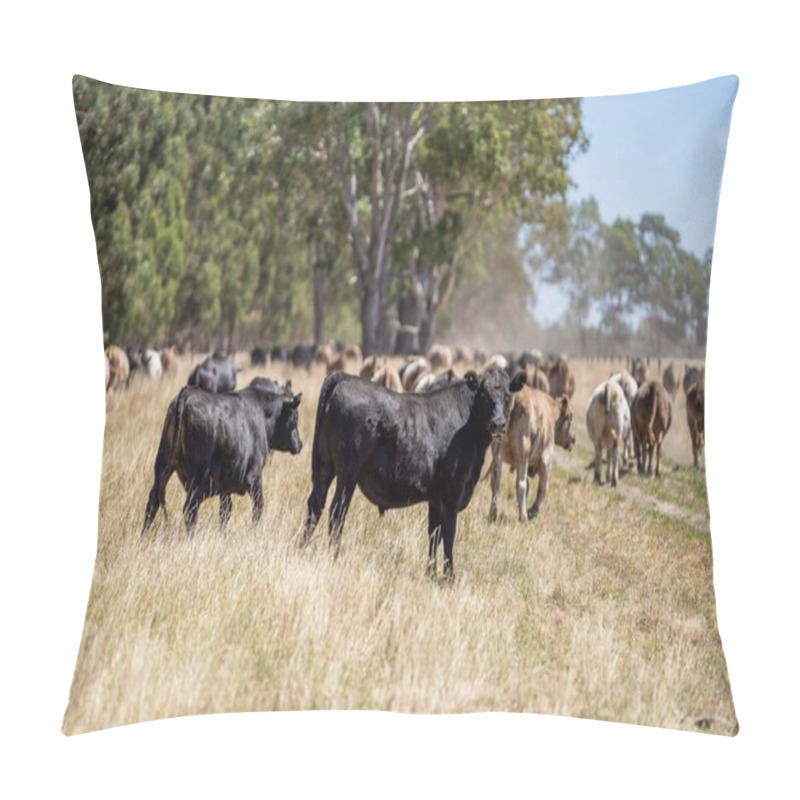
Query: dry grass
[(601, 608)]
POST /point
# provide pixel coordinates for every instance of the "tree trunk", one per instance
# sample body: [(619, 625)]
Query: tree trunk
[(370, 317), (408, 313), (319, 304)]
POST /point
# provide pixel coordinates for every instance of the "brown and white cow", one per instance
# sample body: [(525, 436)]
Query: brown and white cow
[(413, 371), (651, 417), (695, 417), (639, 371), (119, 367), (537, 423), (608, 422), (629, 389)]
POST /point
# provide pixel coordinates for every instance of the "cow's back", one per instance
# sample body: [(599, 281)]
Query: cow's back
[(532, 418)]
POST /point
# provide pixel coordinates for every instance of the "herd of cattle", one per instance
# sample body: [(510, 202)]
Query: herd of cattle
[(403, 436)]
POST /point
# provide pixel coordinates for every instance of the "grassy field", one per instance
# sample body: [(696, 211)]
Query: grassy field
[(603, 607)]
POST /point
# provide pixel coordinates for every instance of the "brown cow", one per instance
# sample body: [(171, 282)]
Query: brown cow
[(387, 376), (369, 367), (440, 358), (651, 417), (562, 381), (537, 423), (119, 367), (695, 416), (536, 379), (413, 371), (639, 371), (671, 379), (169, 360)]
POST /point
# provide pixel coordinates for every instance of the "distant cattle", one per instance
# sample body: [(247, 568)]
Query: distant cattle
[(258, 357), (279, 353), (324, 354), (387, 376), (170, 360), (651, 417), (629, 388), (608, 422), (560, 376), (537, 423), (430, 382), (353, 353), (118, 367), (639, 371), (215, 375), (302, 355), (440, 358), (151, 364), (691, 375), (218, 445), (495, 361), (403, 449), (671, 379), (369, 366), (412, 371), (695, 417)]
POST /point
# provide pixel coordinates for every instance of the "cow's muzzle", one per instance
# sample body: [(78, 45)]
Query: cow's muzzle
[(497, 427)]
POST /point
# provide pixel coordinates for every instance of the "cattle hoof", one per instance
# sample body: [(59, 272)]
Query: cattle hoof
[(532, 513)]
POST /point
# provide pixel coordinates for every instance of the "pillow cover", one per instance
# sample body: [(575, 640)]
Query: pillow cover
[(536, 275)]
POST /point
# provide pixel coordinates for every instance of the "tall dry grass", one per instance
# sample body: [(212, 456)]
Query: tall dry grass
[(600, 608)]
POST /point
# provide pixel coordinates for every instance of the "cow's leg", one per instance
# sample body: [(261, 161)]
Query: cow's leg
[(650, 448), (638, 455), (695, 447), (497, 471), (434, 537), (341, 503), (257, 498), (522, 477), (316, 503), (598, 460), (448, 540), (613, 459), (658, 457), (225, 508), (543, 472), (194, 497)]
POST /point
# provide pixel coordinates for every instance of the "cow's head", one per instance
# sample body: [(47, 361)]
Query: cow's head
[(286, 437), (564, 437), (492, 399)]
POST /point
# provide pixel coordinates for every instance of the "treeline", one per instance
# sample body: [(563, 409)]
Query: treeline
[(631, 287), (223, 222)]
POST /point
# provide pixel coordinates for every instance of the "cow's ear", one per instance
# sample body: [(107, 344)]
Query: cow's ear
[(289, 385), (471, 379), (517, 382), (295, 401), (563, 401)]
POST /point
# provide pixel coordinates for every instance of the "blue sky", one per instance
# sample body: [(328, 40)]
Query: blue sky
[(660, 152)]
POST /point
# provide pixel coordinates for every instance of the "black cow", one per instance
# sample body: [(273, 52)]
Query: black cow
[(302, 355), (402, 449), (218, 445), (215, 374), (258, 357)]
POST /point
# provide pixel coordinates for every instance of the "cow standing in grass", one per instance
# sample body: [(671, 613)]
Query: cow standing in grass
[(695, 417), (216, 375), (537, 423), (651, 418), (218, 445), (608, 422), (403, 449)]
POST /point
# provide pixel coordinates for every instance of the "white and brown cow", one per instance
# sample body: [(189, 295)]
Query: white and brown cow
[(608, 422), (537, 423)]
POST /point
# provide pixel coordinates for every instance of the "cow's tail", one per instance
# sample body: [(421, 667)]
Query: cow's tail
[(607, 397), (165, 457), (328, 385), (651, 422)]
